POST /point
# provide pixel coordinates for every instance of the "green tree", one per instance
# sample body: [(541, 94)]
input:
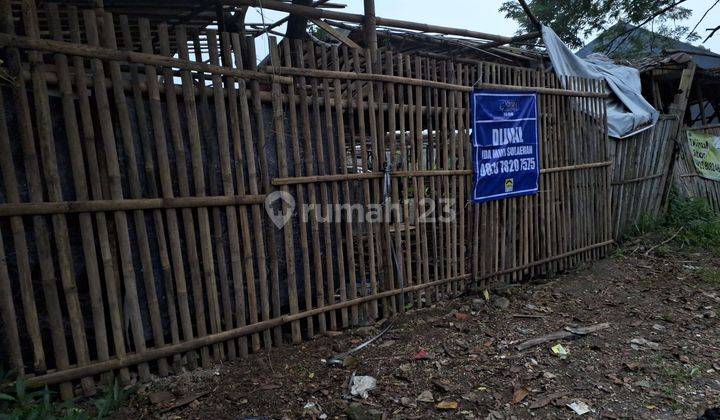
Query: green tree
[(574, 21)]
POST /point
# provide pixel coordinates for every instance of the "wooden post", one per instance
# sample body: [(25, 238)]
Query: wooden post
[(678, 108), (297, 24), (370, 27)]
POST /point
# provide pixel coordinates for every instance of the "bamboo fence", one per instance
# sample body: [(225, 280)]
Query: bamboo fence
[(687, 180), (135, 172), (641, 171)]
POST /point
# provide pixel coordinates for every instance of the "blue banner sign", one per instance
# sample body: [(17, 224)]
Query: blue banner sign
[(505, 145)]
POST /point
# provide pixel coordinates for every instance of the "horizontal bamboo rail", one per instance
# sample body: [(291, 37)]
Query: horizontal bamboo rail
[(641, 179), (89, 51), (404, 174), (159, 353), (346, 75), (96, 206)]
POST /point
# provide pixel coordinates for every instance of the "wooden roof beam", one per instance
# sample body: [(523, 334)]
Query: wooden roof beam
[(311, 12)]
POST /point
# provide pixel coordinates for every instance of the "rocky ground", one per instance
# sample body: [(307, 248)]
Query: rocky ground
[(658, 358)]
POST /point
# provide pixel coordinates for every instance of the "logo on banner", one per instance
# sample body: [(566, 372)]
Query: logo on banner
[(509, 184)]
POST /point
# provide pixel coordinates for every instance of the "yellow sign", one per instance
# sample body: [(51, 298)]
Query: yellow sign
[(705, 150)]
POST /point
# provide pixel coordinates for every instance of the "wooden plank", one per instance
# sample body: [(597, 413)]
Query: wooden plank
[(334, 33)]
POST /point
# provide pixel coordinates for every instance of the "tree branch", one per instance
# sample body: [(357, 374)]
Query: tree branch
[(704, 16), (531, 16), (609, 50), (712, 33)]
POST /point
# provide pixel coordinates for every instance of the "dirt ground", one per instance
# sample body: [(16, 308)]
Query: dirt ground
[(659, 358)]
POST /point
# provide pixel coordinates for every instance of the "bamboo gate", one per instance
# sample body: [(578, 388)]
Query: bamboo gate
[(641, 173), (134, 233), (688, 181)]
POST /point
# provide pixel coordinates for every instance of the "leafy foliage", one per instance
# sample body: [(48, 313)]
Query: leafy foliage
[(699, 223), (574, 21), (690, 222), (19, 403)]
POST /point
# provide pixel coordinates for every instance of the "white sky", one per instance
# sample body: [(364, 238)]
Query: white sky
[(479, 15)]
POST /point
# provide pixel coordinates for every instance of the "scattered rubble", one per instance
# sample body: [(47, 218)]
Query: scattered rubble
[(460, 359)]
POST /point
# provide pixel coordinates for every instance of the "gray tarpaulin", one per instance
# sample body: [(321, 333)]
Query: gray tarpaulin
[(627, 111)]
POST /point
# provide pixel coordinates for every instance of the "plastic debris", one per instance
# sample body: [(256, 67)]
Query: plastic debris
[(312, 409), (362, 385), (579, 407), (560, 351)]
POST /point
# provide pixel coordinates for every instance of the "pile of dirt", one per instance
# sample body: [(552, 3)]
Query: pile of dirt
[(658, 358)]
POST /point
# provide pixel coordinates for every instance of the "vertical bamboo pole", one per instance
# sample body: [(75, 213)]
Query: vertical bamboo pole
[(265, 289), (81, 190), (300, 192), (336, 158), (248, 159), (391, 222), (321, 166), (342, 153), (22, 259), (378, 159), (116, 192), (407, 117), (7, 315), (243, 261), (131, 166), (176, 132), (312, 189), (330, 167), (370, 29), (151, 188), (52, 182), (281, 146), (421, 164), (166, 187), (215, 165), (196, 159), (369, 227), (108, 258)]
